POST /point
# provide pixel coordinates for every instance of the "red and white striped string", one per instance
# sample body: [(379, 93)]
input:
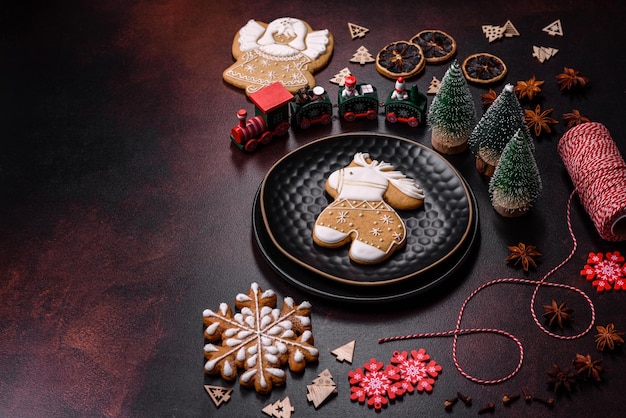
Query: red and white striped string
[(538, 284), (598, 173)]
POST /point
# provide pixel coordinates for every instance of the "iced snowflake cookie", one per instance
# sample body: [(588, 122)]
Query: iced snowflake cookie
[(366, 193), (286, 50), (259, 339)]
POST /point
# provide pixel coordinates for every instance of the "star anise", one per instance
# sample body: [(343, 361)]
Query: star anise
[(574, 118), (528, 88), (558, 313), (561, 380), (608, 337), (488, 97), (587, 367), (524, 253), (571, 78), (539, 121)]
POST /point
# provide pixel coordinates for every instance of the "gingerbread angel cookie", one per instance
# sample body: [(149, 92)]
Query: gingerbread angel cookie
[(366, 193), (286, 50)]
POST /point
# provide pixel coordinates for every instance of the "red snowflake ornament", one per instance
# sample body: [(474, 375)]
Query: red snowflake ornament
[(376, 384), (417, 371), (605, 271)]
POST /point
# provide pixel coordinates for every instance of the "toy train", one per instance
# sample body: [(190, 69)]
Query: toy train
[(276, 109)]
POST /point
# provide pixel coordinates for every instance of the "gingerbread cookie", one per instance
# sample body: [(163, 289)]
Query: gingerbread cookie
[(366, 192), (286, 50), (259, 339)]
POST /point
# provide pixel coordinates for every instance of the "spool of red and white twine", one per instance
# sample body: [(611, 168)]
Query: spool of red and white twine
[(598, 173)]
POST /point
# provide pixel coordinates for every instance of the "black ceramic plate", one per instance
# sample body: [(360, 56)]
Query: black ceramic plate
[(314, 284), (292, 195)]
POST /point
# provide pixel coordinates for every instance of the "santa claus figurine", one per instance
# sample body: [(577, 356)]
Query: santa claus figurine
[(350, 87), (399, 93)]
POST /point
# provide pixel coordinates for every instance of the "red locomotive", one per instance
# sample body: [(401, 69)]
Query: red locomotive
[(271, 118)]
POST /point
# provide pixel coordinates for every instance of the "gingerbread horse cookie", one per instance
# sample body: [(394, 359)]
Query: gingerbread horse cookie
[(366, 194), (286, 50)]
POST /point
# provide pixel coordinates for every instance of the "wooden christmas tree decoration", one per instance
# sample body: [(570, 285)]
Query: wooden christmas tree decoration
[(345, 352), (510, 30), (516, 182), (357, 31), (494, 130), (340, 77), (492, 32), (279, 409), (362, 55), (451, 115), (218, 394), (555, 28), (543, 53), (433, 87), (322, 388)]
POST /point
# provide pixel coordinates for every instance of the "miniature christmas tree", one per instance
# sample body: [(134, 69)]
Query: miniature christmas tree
[(452, 116), (495, 129), (516, 182)]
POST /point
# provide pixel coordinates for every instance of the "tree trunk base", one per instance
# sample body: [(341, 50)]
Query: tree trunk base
[(510, 213), (484, 167), (446, 145)]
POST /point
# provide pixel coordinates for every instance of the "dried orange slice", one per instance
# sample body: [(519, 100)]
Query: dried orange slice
[(437, 45), (400, 59), (483, 68)]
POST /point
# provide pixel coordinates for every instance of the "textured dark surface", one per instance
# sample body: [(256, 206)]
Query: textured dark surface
[(292, 197), (125, 211)]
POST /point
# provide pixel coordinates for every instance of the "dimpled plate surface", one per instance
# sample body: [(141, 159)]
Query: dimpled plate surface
[(293, 194)]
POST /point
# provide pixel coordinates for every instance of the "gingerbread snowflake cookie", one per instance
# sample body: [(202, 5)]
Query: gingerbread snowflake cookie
[(259, 339), (286, 50)]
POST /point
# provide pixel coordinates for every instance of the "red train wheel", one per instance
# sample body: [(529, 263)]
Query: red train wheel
[(371, 114), (265, 137), (391, 117), (251, 145), (326, 119), (282, 128), (413, 122), (349, 116), (305, 123)]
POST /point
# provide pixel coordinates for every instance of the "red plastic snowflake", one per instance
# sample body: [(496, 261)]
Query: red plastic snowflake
[(416, 371), (405, 374), (376, 384), (605, 271)]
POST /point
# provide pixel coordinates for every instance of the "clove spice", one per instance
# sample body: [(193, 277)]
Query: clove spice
[(508, 400), (490, 407), (467, 400), (547, 402), (449, 403)]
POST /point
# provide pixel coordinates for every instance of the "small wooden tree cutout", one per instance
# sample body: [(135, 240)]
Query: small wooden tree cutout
[(555, 28), (362, 55), (433, 87), (357, 31), (510, 30), (493, 32), (279, 409), (340, 77), (345, 352), (543, 53), (218, 394), (323, 387)]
